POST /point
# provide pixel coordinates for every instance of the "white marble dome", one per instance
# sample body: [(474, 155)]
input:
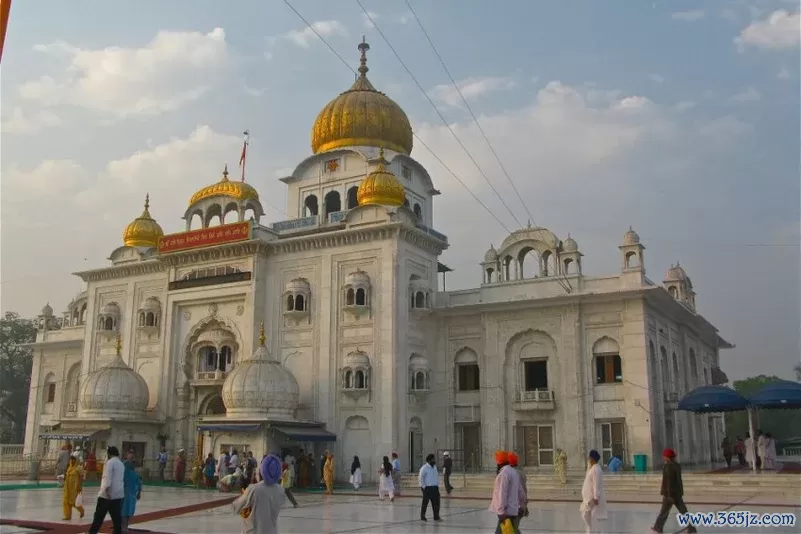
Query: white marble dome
[(675, 273), (631, 237), (569, 245), (115, 391), (357, 359), (491, 255), (260, 387), (151, 304), (298, 285), (358, 278)]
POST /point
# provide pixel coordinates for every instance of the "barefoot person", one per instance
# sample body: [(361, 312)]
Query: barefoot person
[(593, 499), (672, 491), (111, 493), (73, 486)]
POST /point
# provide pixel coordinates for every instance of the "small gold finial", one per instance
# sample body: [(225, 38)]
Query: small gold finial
[(225, 173), (262, 337), (363, 48), (119, 345), (147, 201)]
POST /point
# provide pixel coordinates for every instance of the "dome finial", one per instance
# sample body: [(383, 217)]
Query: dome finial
[(225, 173), (147, 201), (262, 337), (363, 48), (118, 347)]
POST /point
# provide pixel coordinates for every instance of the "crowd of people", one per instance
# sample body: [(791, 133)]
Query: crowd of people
[(759, 453)]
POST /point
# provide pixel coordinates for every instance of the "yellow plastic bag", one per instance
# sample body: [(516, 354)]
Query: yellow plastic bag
[(507, 527), (245, 512)]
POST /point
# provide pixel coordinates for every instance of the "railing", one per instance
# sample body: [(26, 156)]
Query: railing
[(791, 451), (432, 232), (212, 375), (11, 450), (535, 395), (295, 224), (337, 216)]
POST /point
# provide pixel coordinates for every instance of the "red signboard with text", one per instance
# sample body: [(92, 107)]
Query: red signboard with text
[(205, 237)]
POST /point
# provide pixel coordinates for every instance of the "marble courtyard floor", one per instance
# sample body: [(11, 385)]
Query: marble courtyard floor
[(185, 511)]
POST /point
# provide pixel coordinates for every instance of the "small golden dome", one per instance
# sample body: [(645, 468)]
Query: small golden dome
[(144, 231), (226, 188), (362, 116), (381, 187)]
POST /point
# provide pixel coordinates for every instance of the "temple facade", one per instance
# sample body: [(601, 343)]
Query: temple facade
[(329, 331)]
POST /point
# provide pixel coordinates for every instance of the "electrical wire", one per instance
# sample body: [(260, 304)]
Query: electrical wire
[(436, 109), (469, 109)]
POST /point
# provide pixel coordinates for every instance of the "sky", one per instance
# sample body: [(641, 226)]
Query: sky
[(678, 118)]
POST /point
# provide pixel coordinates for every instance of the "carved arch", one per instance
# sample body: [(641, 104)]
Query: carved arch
[(211, 321)]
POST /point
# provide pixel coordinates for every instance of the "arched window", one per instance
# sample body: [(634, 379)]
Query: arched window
[(468, 376), (310, 207), (673, 292), (300, 303), (108, 324), (290, 302), (418, 211), (226, 355), (568, 262), (419, 300), (352, 201), (350, 297), (361, 297), (348, 379), (150, 319), (608, 367), (675, 373), (419, 381), (360, 382), (141, 319), (333, 203)]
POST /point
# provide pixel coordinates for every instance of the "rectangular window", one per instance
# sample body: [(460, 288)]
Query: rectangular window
[(612, 441), (51, 393), (608, 369), (468, 377), (535, 374)]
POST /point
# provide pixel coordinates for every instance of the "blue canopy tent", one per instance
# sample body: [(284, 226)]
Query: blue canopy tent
[(782, 394), (717, 399)]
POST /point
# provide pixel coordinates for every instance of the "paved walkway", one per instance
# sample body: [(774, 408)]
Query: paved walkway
[(186, 511)]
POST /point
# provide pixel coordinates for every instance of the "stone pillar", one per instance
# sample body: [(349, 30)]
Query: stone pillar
[(182, 436)]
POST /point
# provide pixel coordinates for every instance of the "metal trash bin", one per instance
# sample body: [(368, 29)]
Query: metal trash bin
[(640, 463)]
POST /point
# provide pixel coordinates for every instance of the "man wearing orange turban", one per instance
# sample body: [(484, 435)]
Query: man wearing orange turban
[(508, 496)]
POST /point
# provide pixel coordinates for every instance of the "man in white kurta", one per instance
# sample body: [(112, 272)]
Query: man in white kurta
[(750, 452), (593, 499)]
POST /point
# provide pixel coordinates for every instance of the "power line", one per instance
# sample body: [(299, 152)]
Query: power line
[(469, 109), (442, 118), (319, 36)]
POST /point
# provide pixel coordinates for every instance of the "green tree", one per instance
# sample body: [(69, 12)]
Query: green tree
[(15, 375), (781, 424), (797, 370)]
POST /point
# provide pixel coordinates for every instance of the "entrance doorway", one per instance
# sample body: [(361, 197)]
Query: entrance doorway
[(415, 445), (538, 443), (613, 439)]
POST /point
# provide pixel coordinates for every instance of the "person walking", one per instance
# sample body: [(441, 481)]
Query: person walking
[(180, 467), (739, 450), (73, 489), (386, 484), (286, 483), (593, 497), (162, 460), (428, 479), (261, 503), (111, 494), (62, 462), (672, 491), (507, 493), (514, 461), (328, 473), (396, 473), (208, 470), (727, 450), (132, 483), (356, 473), (447, 468)]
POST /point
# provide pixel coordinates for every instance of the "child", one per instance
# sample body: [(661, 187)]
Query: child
[(286, 483)]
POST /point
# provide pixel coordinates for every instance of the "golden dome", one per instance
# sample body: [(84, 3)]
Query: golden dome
[(362, 116), (226, 188), (144, 231), (381, 187)]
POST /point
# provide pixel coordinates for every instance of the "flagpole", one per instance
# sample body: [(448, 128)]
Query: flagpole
[(243, 157)]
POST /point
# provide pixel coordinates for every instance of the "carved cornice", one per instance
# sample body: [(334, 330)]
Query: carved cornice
[(254, 247), (353, 236), (122, 271)]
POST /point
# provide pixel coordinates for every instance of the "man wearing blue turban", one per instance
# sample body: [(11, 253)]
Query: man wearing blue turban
[(261, 503)]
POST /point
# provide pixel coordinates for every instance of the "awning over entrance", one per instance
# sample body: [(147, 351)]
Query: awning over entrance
[(82, 434), (305, 433), (230, 427)]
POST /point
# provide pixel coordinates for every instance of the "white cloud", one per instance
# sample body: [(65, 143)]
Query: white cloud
[(657, 78), (173, 69), (306, 36), (780, 31), (749, 95), (471, 88), (366, 20), (21, 123), (688, 16), (254, 91), (783, 74)]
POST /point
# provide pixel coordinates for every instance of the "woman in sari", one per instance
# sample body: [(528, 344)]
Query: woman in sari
[(328, 473), (180, 467), (73, 486), (560, 466), (356, 473), (209, 470), (303, 470), (133, 490)]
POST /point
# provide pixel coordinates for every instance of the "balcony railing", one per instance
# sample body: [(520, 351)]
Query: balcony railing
[(212, 375), (535, 395), (295, 224), (432, 232), (337, 216)]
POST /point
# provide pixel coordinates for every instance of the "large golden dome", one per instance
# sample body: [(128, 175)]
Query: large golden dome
[(381, 187), (143, 231), (362, 116), (226, 188)]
